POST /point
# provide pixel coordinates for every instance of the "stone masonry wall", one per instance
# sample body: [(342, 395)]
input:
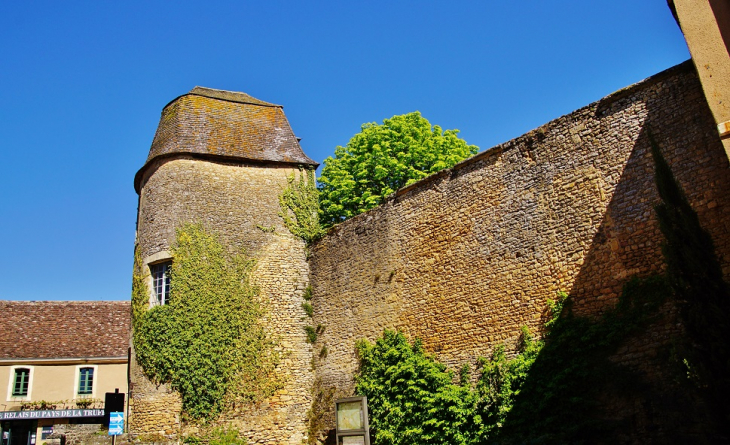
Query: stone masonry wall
[(240, 203), (81, 434), (466, 257)]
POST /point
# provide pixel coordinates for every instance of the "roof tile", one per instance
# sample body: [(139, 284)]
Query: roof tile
[(227, 124), (64, 329)]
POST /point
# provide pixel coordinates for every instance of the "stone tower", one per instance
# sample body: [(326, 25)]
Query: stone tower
[(222, 158)]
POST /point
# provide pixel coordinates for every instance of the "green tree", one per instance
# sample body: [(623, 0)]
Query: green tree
[(383, 158)]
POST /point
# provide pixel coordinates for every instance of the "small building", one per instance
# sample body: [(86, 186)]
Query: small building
[(57, 361)]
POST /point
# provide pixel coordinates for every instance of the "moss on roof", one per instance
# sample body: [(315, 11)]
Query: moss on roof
[(232, 96), (225, 124)]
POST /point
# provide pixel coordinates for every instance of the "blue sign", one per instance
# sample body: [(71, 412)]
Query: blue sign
[(116, 423)]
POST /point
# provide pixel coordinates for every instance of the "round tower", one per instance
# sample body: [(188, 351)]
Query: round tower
[(222, 159)]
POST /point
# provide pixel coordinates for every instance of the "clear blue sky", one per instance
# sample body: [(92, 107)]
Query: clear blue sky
[(82, 85)]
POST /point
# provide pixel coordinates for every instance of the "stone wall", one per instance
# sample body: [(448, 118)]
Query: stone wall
[(80, 434), (466, 257), (239, 202)]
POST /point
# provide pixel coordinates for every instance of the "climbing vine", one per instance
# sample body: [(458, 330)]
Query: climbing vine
[(322, 401), (299, 203), (524, 399), (501, 379), (411, 397), (140, 294), (207, 342), (556, 400)]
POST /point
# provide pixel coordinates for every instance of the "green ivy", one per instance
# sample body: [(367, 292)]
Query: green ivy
[(411, 397), (322, 402), (549, 391), (557, 397), (299, 203), (526, 399), (501, 380), (207, 342), (311, 334), (308, 308)]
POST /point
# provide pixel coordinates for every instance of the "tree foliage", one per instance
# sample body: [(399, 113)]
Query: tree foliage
[(501, 380), (383, 158), (557, 397), (411, 396), (544, 393), (207, 342)]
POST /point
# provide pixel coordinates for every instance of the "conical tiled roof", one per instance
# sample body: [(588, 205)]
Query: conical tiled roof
[(225, 124)]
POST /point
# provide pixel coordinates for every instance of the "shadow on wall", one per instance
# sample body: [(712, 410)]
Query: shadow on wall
[(568, 207), (721, 11), (628, 240), (631, 388)]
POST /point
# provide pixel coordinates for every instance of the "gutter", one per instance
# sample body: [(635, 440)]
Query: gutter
[(64, 360)]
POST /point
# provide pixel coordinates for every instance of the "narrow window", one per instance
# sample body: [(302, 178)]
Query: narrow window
[(20, 385), (86, 381), (161, 281)]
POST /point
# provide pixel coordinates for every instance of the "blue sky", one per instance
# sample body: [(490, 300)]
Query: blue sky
[(82, 86)]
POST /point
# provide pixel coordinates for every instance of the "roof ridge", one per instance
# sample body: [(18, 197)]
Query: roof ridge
[(232, 96)]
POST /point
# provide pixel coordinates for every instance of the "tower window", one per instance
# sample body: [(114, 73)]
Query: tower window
[(86, 380), (20, 383), (161, 281)]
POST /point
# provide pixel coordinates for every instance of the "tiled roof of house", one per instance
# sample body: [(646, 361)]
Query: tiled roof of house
[(64, 329), (225, 124)]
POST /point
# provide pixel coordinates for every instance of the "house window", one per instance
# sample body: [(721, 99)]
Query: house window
[(21, 381), (161, 281), (86, 381)]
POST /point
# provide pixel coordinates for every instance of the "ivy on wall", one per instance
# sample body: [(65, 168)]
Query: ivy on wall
[(299, 203), (411, 397), (545, 393), (557, 400), (696, 278), (207, 342)]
